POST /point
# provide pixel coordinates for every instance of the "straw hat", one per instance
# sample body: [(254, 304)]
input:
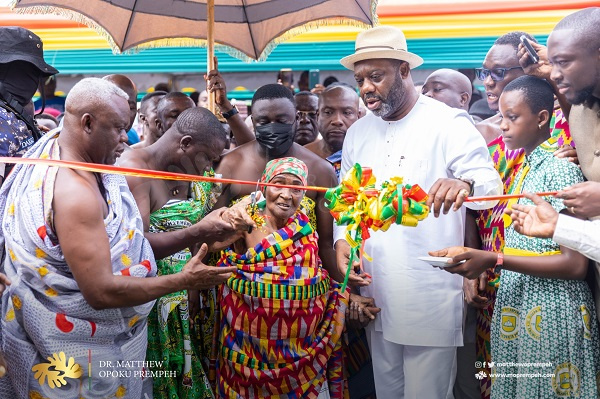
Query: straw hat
[(381, 42)]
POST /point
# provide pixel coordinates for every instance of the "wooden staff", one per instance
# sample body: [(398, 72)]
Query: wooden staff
[(210, 49)]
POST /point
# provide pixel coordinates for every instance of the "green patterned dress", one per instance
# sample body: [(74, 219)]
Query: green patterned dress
[(171, 340), (543, 330)]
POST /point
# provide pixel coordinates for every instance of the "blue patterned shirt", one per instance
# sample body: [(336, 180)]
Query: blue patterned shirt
[(15, 137)]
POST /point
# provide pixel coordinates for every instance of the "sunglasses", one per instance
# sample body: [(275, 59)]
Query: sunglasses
[(497, 74)]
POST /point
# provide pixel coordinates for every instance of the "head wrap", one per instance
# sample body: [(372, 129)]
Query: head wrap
[(290, 165)]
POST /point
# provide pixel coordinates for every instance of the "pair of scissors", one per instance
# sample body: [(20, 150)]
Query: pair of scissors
[(253, 203)]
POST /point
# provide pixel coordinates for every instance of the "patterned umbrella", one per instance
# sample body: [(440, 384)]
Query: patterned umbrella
[(247, 29)]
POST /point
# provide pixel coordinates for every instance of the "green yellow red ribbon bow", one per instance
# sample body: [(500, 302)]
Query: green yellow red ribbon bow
[(359, 205)]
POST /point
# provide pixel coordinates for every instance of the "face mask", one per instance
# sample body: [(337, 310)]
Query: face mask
[(20, 79), (276, 137)]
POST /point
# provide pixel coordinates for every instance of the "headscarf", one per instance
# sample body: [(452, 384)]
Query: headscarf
[(290, 165)]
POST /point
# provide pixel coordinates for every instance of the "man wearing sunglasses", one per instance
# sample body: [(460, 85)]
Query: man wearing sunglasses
[(500, 67)]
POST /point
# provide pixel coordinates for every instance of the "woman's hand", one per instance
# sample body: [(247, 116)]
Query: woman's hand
[(237, 214)]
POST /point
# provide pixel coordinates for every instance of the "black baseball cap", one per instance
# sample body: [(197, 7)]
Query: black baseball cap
[(20, 44)]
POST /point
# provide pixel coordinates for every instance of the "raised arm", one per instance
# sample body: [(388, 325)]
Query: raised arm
[(216, 84), (542, 70)]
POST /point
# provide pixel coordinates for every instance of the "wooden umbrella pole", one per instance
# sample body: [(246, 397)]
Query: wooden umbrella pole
[(210, 48)]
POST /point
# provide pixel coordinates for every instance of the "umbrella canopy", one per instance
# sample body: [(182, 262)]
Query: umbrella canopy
[(248, 28)]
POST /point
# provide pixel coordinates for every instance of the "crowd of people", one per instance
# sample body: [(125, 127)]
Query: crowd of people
[(124, 286)]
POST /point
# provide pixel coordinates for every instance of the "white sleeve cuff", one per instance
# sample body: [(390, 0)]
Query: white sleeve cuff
[(580, 235), (565, 227), (488, 188)]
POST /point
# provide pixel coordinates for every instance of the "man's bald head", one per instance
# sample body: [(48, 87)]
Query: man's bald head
[(450, 87), (574, 53), (127, 85), (122, 82), (200, 137), (170, 107), (583, 25), (201, 124)]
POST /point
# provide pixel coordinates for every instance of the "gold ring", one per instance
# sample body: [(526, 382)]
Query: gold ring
[(573, 210), (464, 192)]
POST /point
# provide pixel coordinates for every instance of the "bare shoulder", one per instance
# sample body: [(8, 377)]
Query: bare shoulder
[(134, 158), (312, 160), (232, 160), (314, 147), (76, 198), (317, 166), (240, 152)]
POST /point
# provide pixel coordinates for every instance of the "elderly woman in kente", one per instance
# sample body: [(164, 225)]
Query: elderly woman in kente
[(281, 315)]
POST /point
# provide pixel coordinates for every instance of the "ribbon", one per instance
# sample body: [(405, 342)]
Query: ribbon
[(362, 207), (355, 202), (154, 174)]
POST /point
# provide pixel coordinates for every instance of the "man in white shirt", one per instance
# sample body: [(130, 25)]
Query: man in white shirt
[(413, 340)]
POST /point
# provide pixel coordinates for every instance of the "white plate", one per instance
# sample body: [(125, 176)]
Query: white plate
[(438, 261)]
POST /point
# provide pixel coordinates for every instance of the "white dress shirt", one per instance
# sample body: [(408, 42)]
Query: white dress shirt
[(579, 235), (582, 236), (421, 305)]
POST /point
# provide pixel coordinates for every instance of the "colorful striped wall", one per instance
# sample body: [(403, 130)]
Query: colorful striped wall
[(445, 33)]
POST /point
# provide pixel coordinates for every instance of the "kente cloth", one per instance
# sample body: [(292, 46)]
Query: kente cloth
[(45, 314), (542, 325), (172, 343), (289, 165), (490, 223), (335, 160), (281, 319), (307, 206)]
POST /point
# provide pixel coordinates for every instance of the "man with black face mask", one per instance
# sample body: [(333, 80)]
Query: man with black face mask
[(22, 66), (273, 117)]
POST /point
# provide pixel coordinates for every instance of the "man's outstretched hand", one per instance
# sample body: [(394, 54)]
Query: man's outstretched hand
[(199, 276), (342, 251)]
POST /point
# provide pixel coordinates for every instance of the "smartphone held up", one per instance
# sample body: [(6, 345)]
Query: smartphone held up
[(533, 57), (313, 78)]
